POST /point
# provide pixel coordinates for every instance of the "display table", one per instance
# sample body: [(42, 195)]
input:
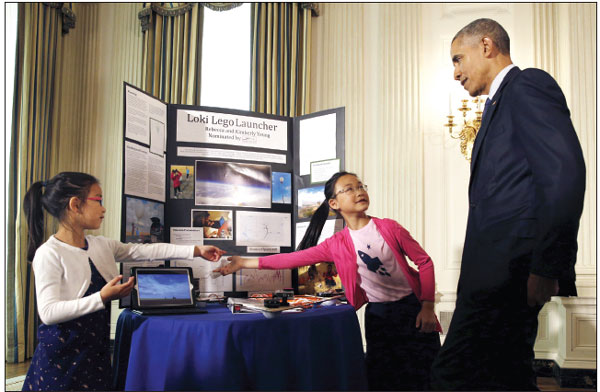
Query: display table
[(319, 349)]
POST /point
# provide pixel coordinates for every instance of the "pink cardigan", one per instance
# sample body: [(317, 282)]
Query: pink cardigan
[(339, 248)]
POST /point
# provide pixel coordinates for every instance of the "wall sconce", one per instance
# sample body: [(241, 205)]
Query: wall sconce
[(468, 129)]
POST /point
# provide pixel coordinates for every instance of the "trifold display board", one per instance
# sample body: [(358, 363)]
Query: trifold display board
[(243, 181)]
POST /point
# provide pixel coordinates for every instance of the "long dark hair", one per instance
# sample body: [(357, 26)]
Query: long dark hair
[(59, 190), (315, 227)]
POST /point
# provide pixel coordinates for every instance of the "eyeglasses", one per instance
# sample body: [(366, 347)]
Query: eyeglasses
[(98, 199), (350, 190)]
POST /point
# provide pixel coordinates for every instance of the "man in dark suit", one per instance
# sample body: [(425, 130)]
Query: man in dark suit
[(525, 200)]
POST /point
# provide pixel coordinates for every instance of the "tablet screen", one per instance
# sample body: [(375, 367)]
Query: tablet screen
[(164, 287)]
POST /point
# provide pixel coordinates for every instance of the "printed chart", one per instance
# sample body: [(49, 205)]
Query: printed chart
[(263, 280), (263, 228), (208, 281)]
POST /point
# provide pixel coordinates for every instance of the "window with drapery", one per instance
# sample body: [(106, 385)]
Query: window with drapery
[(197, 53), (226, 58), (252, 56)]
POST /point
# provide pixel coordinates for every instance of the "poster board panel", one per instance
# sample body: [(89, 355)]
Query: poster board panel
[(326, 130), (265, 152), (248, 165)]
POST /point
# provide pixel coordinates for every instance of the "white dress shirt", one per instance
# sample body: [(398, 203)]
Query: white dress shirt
[(498, 80)]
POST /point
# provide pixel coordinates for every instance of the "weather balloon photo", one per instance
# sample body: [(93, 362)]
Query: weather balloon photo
[(145, 221), (282, 188), (232, 184)]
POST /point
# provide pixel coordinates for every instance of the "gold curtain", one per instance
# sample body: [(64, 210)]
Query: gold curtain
[(172, 52), (39, 39), (280, 67)]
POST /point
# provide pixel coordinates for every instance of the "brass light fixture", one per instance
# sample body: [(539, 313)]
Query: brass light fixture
[(466, 131)]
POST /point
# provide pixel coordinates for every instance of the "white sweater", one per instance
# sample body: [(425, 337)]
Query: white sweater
[(63, 274)]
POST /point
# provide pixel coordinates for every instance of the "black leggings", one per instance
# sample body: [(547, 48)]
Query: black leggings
[(399, 357)]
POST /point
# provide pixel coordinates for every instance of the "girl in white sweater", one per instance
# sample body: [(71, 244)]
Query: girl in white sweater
[(76, 278)]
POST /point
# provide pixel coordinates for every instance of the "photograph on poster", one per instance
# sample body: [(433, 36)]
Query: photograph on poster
[(282, 188), (263, 228), (232, 184), (181, 182), (216, 224), (309, 199), (144, 221), (318, 278)]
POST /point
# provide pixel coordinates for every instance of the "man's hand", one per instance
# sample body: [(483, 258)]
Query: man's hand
[(540, 289), (113, 290)]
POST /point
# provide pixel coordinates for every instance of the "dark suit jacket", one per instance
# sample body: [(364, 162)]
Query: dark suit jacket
[(525, 192)]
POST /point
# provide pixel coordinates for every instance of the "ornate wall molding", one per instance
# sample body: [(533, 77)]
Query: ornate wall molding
[(452, 10)]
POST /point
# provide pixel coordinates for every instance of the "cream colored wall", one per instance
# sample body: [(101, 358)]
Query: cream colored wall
[(377, 80), (102, 51), (389, 65)]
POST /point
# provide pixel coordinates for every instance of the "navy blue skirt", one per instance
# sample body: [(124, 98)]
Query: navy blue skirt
[(74, 355), (399, 356)]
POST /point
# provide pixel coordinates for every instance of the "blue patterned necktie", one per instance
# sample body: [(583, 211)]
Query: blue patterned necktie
[(485, 108), (488, 102)]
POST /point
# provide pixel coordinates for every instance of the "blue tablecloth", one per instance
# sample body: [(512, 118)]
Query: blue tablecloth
[(319, 349)]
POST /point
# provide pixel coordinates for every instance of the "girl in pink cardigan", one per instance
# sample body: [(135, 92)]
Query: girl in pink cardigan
[(402, 330)]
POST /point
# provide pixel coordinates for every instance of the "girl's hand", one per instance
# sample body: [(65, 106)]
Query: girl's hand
[(237, 263), (209, 252), (114, 290), (426, 319)]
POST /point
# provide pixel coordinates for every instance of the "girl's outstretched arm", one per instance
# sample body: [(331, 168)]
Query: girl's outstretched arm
[(309, 256), (236, 264)]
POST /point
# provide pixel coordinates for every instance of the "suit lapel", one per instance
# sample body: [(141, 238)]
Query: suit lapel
[(487, 118)]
